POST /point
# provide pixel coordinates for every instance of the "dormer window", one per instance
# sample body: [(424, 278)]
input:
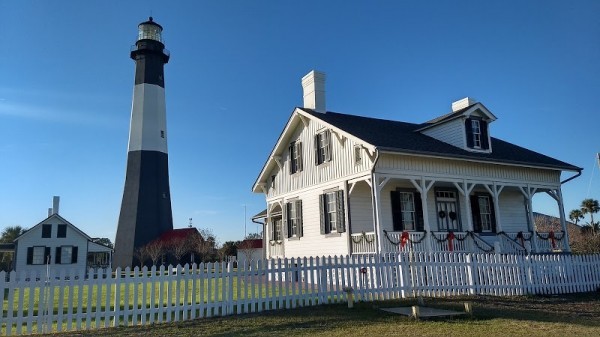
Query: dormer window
[(477, 133)]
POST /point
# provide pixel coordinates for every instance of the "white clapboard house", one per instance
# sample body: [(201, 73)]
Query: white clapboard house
[(56, 246), (345, 184)]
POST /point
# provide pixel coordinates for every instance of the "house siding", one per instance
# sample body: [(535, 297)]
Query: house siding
[(341, 164), (361, 208), (34, 238), (313, 243), (462, 169), (452, 132)]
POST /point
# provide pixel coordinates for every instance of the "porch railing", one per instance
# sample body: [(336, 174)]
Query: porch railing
[(515, 242), (550, 242), (276, 249), (392, 242), (363, 243)]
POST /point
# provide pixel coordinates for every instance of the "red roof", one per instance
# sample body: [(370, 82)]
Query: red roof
[(251, 244), (179, 233)]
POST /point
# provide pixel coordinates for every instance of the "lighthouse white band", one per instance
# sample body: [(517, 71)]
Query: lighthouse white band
[(148, 130)]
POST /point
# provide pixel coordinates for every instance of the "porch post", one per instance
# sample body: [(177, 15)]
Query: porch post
[(465, 190), (557, 195), (528, 194), (376, 187), (424, 188), (497, 189)]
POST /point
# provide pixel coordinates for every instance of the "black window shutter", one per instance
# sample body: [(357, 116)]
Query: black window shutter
[(291, 155), (327, 150), (469, 132), (57, 255), (286, 221), (420, 222), (317, 157), (299, 212), (322, 212), (493, 214), (273, 229), (485, 144), (475, 213), (396, 210), (74, 255), (29, 255), (341, 214), (46, 254), (299, 156)]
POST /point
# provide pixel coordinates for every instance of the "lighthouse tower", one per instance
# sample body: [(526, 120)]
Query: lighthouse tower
[(146, 206)]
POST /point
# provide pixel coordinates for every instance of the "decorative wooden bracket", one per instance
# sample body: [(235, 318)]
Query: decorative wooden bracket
[(305, 120), (340, 137), (263, 187), (277, 159)]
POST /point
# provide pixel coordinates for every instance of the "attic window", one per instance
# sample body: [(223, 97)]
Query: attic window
[(62, 231), (357, 155), (323, 147), (476, 133), (476, 130), (46, 231), (295, 150)]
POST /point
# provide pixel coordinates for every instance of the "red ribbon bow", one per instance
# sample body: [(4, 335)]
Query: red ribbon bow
[(552, 239), (403, 239), (450, 238)]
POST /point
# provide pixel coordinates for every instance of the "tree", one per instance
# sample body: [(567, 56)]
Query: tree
[(179, 246), (591, 206), (103, 241), (141, 254), (156, 249), (229, 248), (254, 236), (9, 234), (205, 247), (576, 215)]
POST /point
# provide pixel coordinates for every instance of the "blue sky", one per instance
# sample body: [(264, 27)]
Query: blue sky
[(234, 78)]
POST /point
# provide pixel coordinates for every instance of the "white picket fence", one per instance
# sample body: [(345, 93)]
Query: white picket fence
[(66, 302)]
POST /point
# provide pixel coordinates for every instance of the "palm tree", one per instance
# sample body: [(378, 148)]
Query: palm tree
[(10, 233), (576, 215), (591, 206)]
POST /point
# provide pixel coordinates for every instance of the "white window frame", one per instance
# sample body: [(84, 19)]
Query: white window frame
[(324, 147), (476, 133), (358, 155), (331, 211), (295, 157), (37, 257), (409, 216), (294, 219), (485, 213), (64, 252), (278, 229)]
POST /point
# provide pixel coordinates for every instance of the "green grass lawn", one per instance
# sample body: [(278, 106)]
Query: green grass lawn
[(567, 315)]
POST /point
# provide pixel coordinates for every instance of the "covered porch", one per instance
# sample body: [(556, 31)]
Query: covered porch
[(399, 213)]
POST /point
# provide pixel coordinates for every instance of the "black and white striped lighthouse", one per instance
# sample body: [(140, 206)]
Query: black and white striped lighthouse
[(146, 206)]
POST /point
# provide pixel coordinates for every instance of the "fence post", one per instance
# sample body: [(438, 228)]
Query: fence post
[(470, 272)]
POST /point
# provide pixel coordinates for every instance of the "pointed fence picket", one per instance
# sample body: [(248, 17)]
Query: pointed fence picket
[(101, 298)]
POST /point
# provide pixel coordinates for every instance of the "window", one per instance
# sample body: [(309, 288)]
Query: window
[(46, 231), (448, 218), (61, 231), (476, 133), (295, 150), (407, 211), (277, 233), (273, 181), (331, 207), (65, 255), (482, 207), (323, 147), (357, 155), (162, 134), (485, 213), (37, 254), (294, 218)]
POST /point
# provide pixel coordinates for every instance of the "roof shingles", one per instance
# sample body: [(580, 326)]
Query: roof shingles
[(402, 137)]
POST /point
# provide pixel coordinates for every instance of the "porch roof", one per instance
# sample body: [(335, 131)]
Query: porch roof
[(402, 137)]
